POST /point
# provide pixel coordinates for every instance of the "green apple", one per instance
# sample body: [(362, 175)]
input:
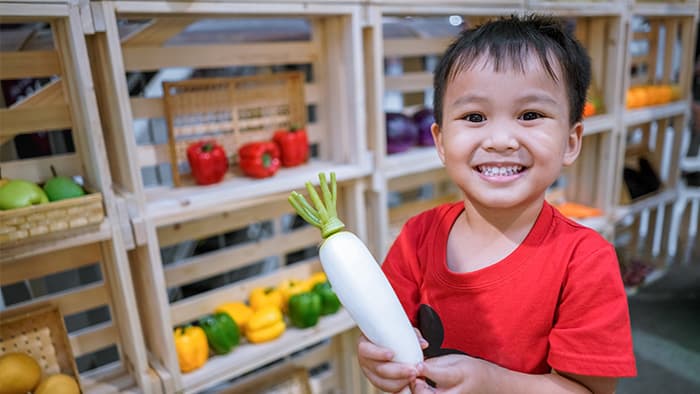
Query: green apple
[(18, 193), (61, 188)]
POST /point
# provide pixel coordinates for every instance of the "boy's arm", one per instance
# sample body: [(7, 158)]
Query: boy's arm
[(464, 374)]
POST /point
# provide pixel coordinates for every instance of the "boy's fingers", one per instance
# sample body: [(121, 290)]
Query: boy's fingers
[(442, 376), (368, 350), (423, 343), (421, 387)]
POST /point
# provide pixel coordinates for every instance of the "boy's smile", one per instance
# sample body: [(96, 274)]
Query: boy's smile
[(505, 135)]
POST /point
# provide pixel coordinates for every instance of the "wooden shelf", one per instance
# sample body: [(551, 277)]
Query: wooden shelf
[(654, 8), (648, 114), (598, 124), (171, 205), (248, 357), (579, 8), (415, 160), (645, 203), (81, 236)]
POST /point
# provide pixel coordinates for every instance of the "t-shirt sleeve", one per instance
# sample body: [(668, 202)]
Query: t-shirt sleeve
[(401, 268), (591, 334)]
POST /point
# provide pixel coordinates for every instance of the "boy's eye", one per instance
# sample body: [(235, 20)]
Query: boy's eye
[(530, 115), (476, 118)]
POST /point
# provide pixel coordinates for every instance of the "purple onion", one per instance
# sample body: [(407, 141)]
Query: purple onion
[(401, 132), (424, 118)]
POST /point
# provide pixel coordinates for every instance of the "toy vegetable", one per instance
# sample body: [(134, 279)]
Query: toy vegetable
[(290, 287), (208, 162), (259, 159), (294, 146), (304, 309), (222, 332), (239, 312), (265, 325), (191, 347), (261, 297), (356, 277), (329, 300)]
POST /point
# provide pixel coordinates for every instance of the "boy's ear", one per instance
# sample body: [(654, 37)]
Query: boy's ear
[(437, 137), (573, 144)]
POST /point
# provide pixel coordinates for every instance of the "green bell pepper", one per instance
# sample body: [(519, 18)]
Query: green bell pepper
[(304, 309), (222, 332), (329, 300)]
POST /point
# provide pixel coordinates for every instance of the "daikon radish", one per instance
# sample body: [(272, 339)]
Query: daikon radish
[(356, 277)]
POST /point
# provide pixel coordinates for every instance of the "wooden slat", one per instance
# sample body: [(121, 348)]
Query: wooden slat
[(153, 107), (50, 263), (409, 82), (229, 259), (39, 169), (93, 338), (404, 211), (49, 95), (74, 300), (29, 64), (415, 180), (194, 307), (415, 47), (26, 120), (227, 221), (158, 31), (211, 56)]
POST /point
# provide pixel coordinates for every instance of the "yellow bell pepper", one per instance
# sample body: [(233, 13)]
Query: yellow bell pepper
[(191, 347), (265, 324), (238, 311), (290, 287), (265, 296), (316, 278)]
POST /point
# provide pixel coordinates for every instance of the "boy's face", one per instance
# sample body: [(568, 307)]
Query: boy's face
[(506, 135)]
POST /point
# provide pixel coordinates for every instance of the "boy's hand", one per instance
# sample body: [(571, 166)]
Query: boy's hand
[(383, 373), (452, 373)]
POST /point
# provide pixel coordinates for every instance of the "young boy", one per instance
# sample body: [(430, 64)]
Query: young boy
[(509, 295)]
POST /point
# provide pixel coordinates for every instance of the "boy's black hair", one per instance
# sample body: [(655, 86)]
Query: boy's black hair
[(508, 42)]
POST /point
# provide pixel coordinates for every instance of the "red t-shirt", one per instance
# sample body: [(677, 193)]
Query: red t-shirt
[(556, 302)]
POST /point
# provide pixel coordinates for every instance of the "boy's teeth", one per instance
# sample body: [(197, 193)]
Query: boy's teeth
[(500, 171)]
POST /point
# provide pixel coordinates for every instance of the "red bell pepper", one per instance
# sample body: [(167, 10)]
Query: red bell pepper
[(208, 162), (294, 146), (259, 159)]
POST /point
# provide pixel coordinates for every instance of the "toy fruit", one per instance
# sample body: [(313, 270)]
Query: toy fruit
[(19, 373), (293, 144), (19, 193), (208, 162), (329, 300), (304, 309), (58, 384), (62, 187), (239, 312), (222, 332), (191, 347), (261, 297), (265, 325), (259, 159)]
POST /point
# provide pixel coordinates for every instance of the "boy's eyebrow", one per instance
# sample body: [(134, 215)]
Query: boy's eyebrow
[(469, 98), (545, 98)]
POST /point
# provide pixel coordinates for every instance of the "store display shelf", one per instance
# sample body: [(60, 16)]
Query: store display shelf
[(644, 203), (688, 8), (171, 205), (648, 114), (601, 224), (110, 379), (415, 160), (579, 8), (68, 239), (598, 124), (248, 357)]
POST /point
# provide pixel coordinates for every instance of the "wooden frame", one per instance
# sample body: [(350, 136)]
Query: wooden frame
[(69, 102)]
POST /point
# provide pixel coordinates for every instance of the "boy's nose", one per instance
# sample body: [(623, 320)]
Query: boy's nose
[(500, 139)]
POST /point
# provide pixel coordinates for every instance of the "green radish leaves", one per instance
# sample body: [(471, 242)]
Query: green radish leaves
[(323, 214)]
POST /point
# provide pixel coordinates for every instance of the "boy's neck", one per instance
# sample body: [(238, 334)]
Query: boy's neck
[(514, 223)]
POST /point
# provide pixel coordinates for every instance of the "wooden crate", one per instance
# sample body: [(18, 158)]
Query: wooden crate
[(657, 141), (220, 258), (61, 98), (231, 111), (165, 38), (39, 332)]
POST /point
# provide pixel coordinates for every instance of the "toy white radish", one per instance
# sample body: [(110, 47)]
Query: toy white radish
[(356, 277)]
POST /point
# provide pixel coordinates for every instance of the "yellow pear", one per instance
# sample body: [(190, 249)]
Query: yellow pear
[(19, 373), (58, 384)]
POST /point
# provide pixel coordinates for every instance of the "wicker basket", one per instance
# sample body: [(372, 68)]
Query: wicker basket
[(52, 220), (40, 332)]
